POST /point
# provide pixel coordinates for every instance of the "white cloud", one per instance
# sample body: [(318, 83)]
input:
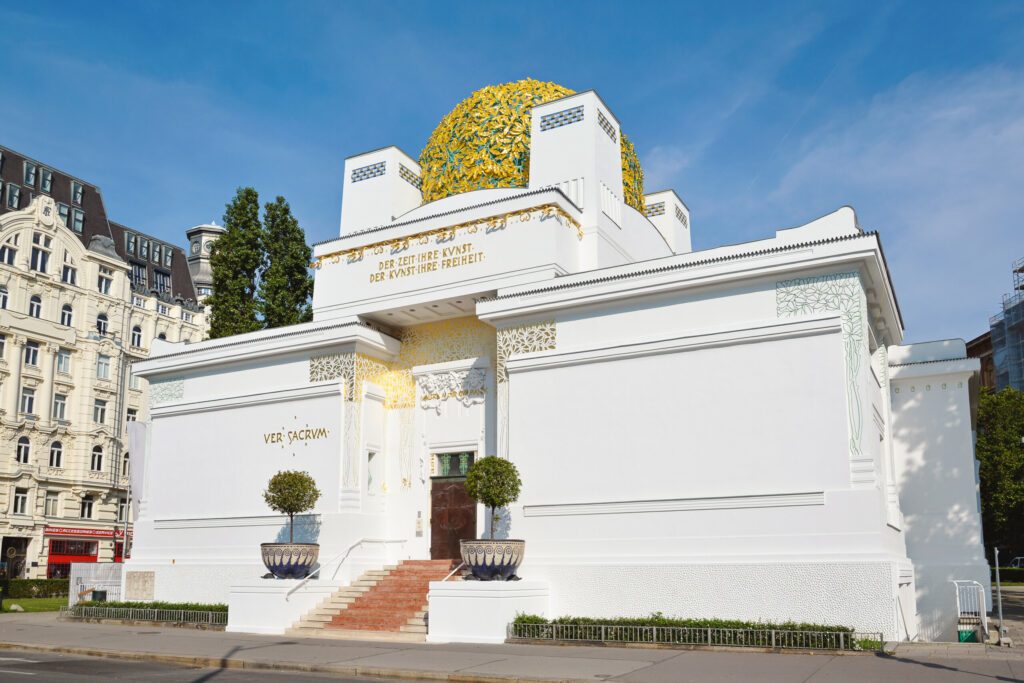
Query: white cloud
[(661, 165), (936, 165)]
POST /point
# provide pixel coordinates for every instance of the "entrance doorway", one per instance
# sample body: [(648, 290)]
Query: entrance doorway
[(13, 557), (452, 511)]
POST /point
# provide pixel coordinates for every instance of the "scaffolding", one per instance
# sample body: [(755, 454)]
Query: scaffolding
[(1007, 329)]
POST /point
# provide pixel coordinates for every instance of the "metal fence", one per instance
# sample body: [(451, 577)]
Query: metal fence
[(177, 616), (698, 636)]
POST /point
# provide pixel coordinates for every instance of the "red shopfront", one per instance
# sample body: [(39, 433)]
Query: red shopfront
[(72, 544)]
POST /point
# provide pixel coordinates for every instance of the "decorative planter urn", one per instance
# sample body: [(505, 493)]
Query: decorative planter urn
[(493, 560), (290, 560)]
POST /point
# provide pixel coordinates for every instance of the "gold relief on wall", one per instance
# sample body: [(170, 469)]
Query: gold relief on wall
[(523, 339)]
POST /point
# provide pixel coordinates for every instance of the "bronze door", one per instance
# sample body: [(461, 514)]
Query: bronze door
[(452, 517)]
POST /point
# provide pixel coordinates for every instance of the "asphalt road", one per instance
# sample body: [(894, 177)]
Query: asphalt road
[(18, 665)]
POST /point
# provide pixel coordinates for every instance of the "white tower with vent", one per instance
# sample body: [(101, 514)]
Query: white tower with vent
[(378, 186)]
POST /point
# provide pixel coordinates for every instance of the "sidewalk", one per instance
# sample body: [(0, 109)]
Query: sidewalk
[(927, 664)]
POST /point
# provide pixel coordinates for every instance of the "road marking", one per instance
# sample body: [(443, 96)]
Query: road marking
[(19, 659), (20, 673)]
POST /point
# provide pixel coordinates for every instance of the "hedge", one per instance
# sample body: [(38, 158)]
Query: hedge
[(184, 606), (1012, 574), (34, 588), (658, 619)]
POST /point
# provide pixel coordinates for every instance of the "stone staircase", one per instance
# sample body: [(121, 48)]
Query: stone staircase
[(383, 604)]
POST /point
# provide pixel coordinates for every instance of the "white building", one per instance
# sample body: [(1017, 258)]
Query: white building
[(732, 433)]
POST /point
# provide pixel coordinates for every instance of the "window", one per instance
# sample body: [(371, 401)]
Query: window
[(32, 353), (22, 451), (139, 275), (143, 248), (205, 291), (64, 211), (3, 345), (85, 510), (76, 192), (31, 170), (101, 323), (9, 250), (77, 220), (122, 509), (64, 361), (162, 336), (52, 504), (162, 281), (96, 464), (138, 301), (46, 180), (129, 242), (186, 316), (60, 404), (131, 416), (102, 367), (69, 275), (156, 252), (56, 454), (3, 297), (137, 337), (99, 414), (66, 315), (35, 306), (40, 252), (168, 252), (13, 196), (20, 501), (28, 402), (163, 309), (104, 280)]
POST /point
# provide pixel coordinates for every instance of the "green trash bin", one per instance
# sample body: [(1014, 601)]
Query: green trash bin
[(968, 636)]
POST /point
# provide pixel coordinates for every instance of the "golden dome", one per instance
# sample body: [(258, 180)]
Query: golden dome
[(484, 143)]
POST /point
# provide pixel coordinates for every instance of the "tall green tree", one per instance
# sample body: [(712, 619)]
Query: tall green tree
[(1001, 452), (286, 286), (237, 260)]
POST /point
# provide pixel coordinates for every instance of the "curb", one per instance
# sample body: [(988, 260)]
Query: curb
[(298, 667)]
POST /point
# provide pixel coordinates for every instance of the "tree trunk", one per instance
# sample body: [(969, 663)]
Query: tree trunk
[(490, 524), (291, 528)]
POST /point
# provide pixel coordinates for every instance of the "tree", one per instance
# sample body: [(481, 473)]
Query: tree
[(286, 287), (1001, 452), (291, 492), (237, 261), (494, 482)]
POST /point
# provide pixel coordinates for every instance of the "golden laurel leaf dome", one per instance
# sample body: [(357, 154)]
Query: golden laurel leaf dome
[(484, 143)]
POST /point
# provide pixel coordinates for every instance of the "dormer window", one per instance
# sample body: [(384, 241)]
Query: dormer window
[(77, 220), (13, 196), (31, 171), (64, 211), (77, 190), (46, 180), (156, 253), (129, 242), (143, 248), (167, 256)]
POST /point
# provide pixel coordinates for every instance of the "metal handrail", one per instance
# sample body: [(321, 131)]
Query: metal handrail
[(452, 572), (341, 557)]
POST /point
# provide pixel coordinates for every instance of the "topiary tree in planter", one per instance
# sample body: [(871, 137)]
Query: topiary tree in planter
[(291, 493), (494, 482)]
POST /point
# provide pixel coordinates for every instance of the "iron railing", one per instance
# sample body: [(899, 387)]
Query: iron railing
[(177, 616), (699, 636), (971, 609)]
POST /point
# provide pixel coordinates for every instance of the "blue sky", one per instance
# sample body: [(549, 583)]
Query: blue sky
[(761, 115)]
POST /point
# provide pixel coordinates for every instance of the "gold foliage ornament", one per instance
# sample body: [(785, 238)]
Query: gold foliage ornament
[(484, 143)]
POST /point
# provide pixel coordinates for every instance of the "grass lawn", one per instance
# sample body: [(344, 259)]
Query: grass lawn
[(36, 604)]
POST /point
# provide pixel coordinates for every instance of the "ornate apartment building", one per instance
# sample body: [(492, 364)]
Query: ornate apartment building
[(81, 298)]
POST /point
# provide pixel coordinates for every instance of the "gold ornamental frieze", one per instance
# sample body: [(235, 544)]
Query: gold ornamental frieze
[(444, 236)]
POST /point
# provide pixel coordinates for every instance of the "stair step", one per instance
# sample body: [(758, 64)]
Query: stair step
[(348, 634), (413, 628)]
